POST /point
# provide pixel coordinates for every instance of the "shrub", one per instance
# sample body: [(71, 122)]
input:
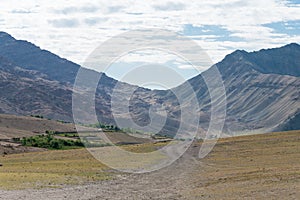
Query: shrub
[(50, 142)]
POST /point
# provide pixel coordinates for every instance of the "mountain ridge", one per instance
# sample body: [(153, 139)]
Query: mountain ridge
[(258, 96), (270, 61), (19, 52)]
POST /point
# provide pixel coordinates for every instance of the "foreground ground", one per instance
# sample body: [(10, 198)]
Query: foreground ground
[(249, 167)]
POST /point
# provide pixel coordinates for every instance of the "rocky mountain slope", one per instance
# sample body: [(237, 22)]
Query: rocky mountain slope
[(262, 92), (262, 89), (26, 92)]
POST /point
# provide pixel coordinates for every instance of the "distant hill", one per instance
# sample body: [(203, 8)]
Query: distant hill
[(262, 89)]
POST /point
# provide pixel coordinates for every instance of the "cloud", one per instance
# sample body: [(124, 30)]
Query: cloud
[(77, 9), (115, 9), (95, 20), (134, 13), (64, 23), (219, 26), (169, 6), (21, 11)]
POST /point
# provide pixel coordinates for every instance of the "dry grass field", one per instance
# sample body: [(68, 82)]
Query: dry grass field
[(247, 167), (263, 166), (49, 169), (57, 168)]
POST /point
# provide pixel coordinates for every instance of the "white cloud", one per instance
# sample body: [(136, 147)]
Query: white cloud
[(169, 6), (72, 29), (64, 23), (78, 9)]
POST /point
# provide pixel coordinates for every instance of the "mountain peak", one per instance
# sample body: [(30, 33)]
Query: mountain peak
[(239, 51), (292, 45), (283, 60), (238, 54), (32, 57), (4, 37)]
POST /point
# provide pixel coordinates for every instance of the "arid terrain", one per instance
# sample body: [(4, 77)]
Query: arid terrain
[(250, 167), (23, 126), (262, 95), (118, 100), (12, 126)]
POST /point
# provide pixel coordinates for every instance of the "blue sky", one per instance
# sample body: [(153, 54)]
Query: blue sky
[(74, 28), (291, 28)]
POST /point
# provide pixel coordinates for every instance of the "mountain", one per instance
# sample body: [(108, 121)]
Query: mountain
[(26, 92), (31, 57), (262, 89), (260, 97), (38, 82), (283, 61)]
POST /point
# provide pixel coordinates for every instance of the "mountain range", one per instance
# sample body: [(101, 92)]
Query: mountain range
[(262, 89)]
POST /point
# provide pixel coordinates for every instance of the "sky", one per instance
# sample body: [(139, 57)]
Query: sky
[(74, 28)]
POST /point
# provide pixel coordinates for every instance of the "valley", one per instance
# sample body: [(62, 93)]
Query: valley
[(260, 97), (44, 156)]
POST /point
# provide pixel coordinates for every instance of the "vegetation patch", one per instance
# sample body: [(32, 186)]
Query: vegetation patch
[(50, 142)]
